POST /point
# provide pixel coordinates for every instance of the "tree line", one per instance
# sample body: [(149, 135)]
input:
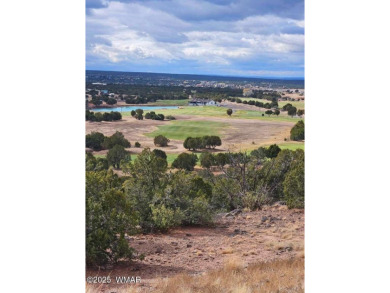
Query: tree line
[(106, 116), (142, 94), (273, 103)]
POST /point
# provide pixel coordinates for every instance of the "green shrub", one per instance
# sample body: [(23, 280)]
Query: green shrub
[(109, 216), (294, 184), (170, 117), (165, 218), (292, 111), (160, 154), (185, 161), (116, 139), (94, 140), (116, 155), (137, 144), (272, 151), (161, 141), (250, 201), (199, 212), (298, 131), (98, 117), (111, 101), (207, 160)]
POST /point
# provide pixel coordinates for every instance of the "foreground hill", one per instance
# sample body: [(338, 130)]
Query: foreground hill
[(259, 251)]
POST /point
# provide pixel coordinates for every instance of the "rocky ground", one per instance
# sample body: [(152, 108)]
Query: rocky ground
[(266, 235)]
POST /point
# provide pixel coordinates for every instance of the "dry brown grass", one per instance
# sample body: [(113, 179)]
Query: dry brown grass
[(278, 276)]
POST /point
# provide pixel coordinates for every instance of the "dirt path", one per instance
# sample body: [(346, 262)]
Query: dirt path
[(272, 233)]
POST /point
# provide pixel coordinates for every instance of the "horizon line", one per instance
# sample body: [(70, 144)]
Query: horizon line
[(216, 75)]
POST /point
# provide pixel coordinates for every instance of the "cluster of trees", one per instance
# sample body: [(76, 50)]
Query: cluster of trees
[(274, 112), (97, 141), (208, 160), (152, 115), (98, 100), (292, 111), (139, 94), (142, 94), (272, 104), (207, 141), (137, 114), (115, 144), (106, 116), (266, 95), (148, 198), (298, 131)]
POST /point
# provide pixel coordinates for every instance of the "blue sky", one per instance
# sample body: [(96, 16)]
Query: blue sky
[(263, 38)]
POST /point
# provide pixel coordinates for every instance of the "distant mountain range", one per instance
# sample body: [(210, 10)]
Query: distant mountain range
[(145, 78)]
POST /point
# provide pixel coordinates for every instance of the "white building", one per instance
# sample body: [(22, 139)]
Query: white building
[(202, 102)]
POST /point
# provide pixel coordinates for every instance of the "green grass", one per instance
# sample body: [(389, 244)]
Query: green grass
[(298, 105), (292, 145), (169, 103), (183, 129), (221, 112)]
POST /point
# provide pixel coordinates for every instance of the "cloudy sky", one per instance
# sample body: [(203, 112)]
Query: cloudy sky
[(263, 38)]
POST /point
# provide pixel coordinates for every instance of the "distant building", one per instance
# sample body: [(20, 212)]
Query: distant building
[(201, 102)]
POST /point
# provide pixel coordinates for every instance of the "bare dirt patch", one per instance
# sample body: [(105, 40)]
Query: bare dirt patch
[(274, 233)]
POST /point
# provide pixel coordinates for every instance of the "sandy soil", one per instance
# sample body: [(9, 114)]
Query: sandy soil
[(241, 134), (270, 234)]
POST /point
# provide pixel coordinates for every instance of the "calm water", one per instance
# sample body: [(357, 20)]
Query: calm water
[(130, 108)]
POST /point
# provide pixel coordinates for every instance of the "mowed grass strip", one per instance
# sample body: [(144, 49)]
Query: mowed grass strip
[(169, 103), (292, 146), (183, 129)]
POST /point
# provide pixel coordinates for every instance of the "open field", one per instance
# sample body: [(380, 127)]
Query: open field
[(237, 134), (183, 129), (207, 111), (258, 246)]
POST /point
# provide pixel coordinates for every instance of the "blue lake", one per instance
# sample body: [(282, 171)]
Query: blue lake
[(130, 108)]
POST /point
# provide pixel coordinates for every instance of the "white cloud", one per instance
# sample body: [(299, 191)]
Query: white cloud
[(134, 33)]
